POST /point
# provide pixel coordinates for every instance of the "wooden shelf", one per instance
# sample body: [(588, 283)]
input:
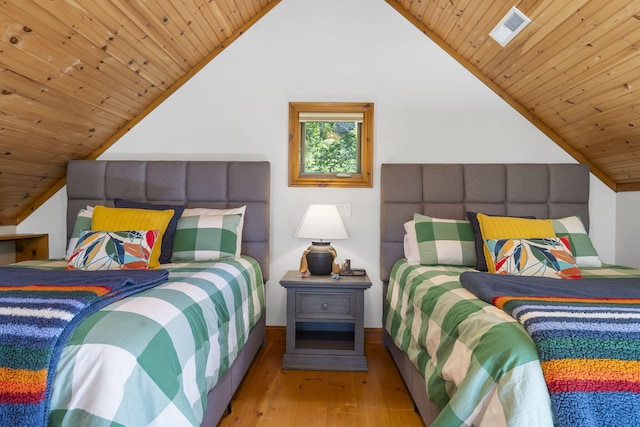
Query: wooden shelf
[(325, 340), (28, 246)]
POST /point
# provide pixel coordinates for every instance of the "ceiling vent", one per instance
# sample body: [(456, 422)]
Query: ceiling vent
[(509, 26)]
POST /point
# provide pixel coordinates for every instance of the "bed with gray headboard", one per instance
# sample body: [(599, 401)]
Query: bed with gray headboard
[(449, 191), (194, 184), (206, 184)]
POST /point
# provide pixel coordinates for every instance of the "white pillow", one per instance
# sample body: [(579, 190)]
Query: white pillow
[(411, 250), (230, 211), (211, 211)]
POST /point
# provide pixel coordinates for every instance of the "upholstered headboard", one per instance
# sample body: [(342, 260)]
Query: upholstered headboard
[(208, 184), (450, 190)]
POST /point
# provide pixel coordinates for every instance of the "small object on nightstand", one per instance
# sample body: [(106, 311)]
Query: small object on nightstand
[(353, 272), (359, 272), (345, 269)]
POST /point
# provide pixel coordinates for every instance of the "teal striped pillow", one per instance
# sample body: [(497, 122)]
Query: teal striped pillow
[(445, 241), (206, 238)]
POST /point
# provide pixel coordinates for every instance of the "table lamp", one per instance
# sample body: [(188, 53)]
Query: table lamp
[(321, 223)]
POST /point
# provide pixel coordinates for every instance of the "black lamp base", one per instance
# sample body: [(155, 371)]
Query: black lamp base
[(319, 259)]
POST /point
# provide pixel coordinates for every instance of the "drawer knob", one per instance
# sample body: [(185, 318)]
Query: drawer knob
[(325, 305)]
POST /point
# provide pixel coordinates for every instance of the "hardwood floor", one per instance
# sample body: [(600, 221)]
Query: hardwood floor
[(270, 396)]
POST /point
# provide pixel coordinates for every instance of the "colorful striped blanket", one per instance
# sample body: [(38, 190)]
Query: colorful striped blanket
[(38, 312), (589, 346)]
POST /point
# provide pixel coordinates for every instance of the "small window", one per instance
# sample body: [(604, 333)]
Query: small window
[(330, 144)]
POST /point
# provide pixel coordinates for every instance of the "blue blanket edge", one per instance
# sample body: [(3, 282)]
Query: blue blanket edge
[(487, 286), (124, 282)]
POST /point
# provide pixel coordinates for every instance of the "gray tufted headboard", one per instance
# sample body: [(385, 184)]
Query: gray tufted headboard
[(208, 184), (450, 190)]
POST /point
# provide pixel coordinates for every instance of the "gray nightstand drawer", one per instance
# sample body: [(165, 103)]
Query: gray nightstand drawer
[(325, 305)]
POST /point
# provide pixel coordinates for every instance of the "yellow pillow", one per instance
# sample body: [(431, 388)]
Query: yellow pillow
[(123, 219), (503, 227)]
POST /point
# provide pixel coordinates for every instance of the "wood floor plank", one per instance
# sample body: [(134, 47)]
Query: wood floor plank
[(272, 397)]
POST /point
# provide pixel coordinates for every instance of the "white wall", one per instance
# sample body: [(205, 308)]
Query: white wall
[(628, 229), (427, 109)]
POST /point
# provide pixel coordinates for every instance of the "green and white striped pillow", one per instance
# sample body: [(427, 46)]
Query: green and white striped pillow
[(445, 241), (207, 238), (582, 249)]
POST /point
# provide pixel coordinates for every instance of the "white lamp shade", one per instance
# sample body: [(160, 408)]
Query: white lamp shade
[(322, 222)]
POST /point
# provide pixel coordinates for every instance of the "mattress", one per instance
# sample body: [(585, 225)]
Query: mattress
[(479, 364), (169, 344)]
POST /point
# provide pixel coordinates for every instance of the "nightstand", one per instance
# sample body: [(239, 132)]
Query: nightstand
[(325, 322)]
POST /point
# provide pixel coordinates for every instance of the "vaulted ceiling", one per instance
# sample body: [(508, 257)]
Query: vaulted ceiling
[(76, 75)]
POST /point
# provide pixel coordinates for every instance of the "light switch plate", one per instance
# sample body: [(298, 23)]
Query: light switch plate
[(344, 210)]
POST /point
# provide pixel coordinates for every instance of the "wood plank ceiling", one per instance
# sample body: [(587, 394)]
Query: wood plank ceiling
[(572, 71), (76, 75)]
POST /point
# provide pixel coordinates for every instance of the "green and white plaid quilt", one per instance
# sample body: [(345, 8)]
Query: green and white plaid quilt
[(480, 365), (151, 359)]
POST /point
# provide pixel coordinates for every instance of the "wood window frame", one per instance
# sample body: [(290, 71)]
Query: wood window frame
[(362, 179)]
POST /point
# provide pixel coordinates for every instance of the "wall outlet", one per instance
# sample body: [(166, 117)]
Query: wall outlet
[(344, 210)]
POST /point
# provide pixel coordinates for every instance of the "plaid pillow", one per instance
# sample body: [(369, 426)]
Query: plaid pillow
[(113, 250), (206, 238), (445, 241), (582, 249), (218, 211)]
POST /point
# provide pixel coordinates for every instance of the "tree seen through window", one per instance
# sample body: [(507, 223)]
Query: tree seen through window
[(331, 147)]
